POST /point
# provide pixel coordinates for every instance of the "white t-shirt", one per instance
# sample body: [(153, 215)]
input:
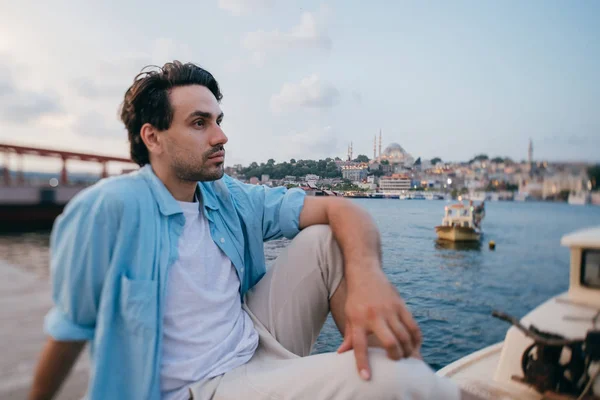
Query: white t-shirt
[(205, 330)]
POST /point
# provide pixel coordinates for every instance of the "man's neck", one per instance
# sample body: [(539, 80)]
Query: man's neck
[(180, 190)]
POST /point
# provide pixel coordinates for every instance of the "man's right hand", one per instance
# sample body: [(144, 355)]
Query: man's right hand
[(55, 362)]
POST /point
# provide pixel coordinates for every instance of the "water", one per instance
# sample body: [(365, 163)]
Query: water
[(451, 291)]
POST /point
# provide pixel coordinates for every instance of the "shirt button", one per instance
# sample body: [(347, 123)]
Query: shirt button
[(222, 240), (242, 269)]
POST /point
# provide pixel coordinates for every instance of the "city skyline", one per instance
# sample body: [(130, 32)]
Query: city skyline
[(304, 79)]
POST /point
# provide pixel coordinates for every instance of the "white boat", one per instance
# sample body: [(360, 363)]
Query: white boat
[(521, 196), (478, 196), (554, 351), (460, 224), (579, 198)]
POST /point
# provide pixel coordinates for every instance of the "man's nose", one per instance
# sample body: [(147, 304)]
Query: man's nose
[(219, 137)]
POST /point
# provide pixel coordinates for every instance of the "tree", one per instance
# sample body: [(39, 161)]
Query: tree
[(594, 174), (480, 157), (362, 158), (418, 162), (293, 161), (436, 160), (385, 162), (498, 160), (323, 168)]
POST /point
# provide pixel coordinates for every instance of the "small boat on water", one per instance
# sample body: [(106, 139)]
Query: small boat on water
[(580, 198), (553, 352), (461, 223)]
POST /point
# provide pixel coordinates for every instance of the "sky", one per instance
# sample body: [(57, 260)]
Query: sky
[(303, 79)]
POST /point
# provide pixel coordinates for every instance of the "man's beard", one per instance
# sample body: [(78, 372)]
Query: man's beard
[(198, 169)]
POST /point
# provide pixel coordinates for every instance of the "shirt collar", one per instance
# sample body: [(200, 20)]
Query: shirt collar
[(167, 203), (209, 197)]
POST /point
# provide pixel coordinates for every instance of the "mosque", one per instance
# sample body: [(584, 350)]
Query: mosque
[(393, 153)]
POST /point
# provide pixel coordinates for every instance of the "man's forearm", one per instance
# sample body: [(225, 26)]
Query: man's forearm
[(358, 238), (56, 360)]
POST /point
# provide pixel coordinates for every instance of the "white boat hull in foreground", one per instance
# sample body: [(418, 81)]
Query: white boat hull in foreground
[(554, 351)]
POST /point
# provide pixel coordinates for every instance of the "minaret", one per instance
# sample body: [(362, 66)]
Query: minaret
[(350, 151), (380, 142), (530, 152), (530, 157), (374, 147)]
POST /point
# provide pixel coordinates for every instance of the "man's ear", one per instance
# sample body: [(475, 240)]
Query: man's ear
[(151, 138)]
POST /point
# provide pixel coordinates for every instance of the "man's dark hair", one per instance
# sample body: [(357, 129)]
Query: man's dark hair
[(147, 100)]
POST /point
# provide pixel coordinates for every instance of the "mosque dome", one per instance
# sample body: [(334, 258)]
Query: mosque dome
[(395, 154)]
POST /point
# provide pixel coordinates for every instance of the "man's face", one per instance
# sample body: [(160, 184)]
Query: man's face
[(194, 143)]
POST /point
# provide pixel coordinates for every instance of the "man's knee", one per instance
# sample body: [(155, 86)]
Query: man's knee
[(314, 234), (404, 379), (320, 240)]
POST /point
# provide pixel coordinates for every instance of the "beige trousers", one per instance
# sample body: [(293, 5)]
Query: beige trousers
[(289, 307)]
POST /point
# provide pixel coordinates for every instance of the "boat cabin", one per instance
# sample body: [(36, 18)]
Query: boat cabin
[(459, 215), (550, 353), (584, 281), (571, 314)]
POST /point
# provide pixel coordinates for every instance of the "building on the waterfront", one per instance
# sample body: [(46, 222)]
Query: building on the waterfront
[(311, 178), (341, 164), (554, 185), (530, 188), (396, 183), (356, 173), (368, 186)]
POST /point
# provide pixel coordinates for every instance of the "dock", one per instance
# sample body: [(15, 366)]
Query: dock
[(25, 298)]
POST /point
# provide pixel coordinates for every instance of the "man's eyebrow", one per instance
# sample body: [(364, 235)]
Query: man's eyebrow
[(204, 114)]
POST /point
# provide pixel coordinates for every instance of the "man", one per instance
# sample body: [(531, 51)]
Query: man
[(162, 271)]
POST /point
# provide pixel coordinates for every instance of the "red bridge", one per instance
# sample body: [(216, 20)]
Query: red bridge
[(29, 207), (21, 151)]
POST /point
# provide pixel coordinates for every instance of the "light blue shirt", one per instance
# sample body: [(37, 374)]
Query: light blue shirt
[(111, 250)]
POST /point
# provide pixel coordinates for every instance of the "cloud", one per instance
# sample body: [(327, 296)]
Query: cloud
[(314, 143), (95, 124), (357, 97), (166, 49), (112, 75), (21, 106), (310, 92), (309, 33), (239, 7), (6, 84), (572, 140), (24, 107), (92, 89)]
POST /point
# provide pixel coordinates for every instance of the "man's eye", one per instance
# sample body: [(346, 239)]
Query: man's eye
[(219, 122), (199, 123)]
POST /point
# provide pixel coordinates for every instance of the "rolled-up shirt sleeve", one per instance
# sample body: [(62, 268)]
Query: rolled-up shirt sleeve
[(281, 212), (81, 246)]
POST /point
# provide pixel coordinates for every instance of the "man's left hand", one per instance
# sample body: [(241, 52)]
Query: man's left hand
[(373, 306)]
